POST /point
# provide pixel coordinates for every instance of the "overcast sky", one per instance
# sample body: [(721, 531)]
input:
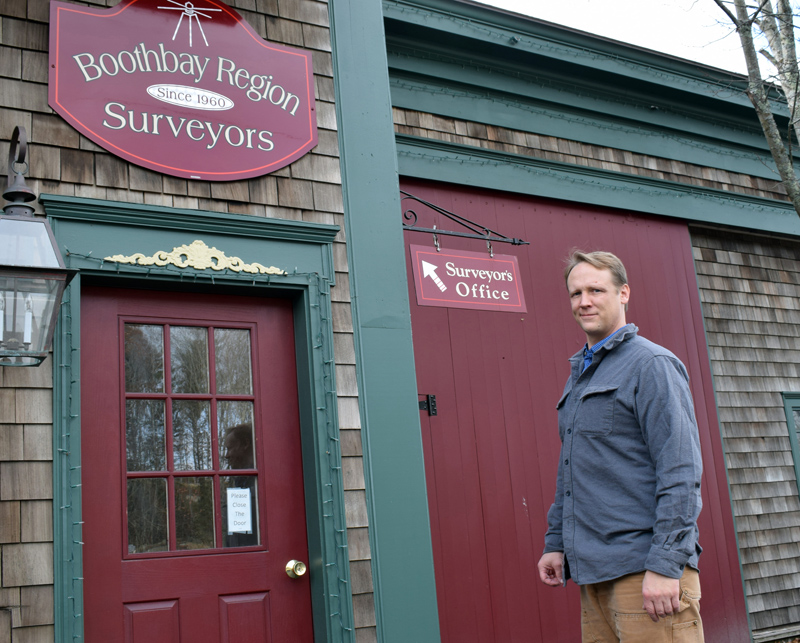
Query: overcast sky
[(692, 29)]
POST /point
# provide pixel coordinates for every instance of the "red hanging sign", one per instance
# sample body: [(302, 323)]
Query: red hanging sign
[(182, 88), (461, 279)]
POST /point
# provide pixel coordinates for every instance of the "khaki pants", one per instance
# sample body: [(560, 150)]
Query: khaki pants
[(611, 612)]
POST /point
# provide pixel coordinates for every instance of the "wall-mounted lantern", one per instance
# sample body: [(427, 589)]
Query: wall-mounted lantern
[(32, 273)]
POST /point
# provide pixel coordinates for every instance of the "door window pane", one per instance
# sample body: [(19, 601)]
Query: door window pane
[(145, 435), (191, 435), (147, 515), (239, 511), (175, 431), (194, 513), (232, 352), (144, 358), (189, 359), (236, 444)]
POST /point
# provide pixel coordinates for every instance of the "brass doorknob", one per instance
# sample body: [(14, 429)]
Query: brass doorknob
[(296, 568)]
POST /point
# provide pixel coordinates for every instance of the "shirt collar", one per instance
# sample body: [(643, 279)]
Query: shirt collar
[(588, 353)]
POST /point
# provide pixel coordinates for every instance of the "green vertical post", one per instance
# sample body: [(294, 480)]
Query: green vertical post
[(402, 555)]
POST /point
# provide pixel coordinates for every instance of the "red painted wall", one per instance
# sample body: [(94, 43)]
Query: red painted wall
[(491, 451)]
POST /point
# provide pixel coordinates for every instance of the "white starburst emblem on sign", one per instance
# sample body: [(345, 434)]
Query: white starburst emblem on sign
[(192, 13)]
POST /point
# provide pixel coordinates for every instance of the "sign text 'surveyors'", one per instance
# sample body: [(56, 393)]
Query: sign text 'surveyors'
[(461, 279), (183, 88)]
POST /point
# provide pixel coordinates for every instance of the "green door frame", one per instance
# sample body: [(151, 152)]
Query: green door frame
[(89, 232)]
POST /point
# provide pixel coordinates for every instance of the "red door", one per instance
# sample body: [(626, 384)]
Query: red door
[(192, 477), (491, 451)]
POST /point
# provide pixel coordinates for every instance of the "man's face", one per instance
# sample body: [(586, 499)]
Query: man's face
[(597, 305)]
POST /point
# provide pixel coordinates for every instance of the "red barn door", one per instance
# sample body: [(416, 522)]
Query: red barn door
[(491, 450), (192, 479)]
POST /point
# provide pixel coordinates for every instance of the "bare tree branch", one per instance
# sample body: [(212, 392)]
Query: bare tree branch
[(778, 28), (733, 19), (788, 71), (766, 53), (760, 8), (769, 28)]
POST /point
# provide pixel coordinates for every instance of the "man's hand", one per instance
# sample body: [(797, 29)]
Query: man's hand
[(661, 594), (551, 568)]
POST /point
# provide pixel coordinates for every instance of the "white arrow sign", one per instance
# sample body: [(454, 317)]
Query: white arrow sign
[(429, 270)]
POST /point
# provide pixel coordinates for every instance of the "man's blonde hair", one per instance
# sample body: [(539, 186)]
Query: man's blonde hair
[(601, 261)]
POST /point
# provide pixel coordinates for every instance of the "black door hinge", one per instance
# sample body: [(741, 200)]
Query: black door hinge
[(428, 404)]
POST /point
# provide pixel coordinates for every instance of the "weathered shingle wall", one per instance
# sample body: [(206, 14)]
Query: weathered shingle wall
[(750, 292), (561, 150), (64, 162), (26, 506)]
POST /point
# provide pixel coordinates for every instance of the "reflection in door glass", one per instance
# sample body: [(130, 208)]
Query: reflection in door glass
[(189, 359), (191, 434), (194, 513), (145, 435), (144, 358), (236, 445), (239, 511), (232, 352), (147, 515)]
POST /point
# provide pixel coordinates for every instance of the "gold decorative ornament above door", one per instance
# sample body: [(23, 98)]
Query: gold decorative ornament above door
[(196, 255)]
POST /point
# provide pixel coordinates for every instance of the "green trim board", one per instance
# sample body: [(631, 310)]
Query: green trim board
[(462, 164), (464, 61), (67, 530), (89, 230), (197, 221), (400, 538), (791, 405), (574, 88)]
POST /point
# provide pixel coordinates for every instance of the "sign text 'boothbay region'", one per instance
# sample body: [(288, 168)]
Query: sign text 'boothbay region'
[(183, 88), (461, 279)]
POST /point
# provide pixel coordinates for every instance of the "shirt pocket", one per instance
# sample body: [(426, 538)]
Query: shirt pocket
[(596, 413)]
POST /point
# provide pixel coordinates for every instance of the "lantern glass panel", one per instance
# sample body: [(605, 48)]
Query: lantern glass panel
[(26, 242), (28, 313)]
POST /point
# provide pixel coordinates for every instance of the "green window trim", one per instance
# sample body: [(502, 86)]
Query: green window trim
[(791, 404), (87, 231)]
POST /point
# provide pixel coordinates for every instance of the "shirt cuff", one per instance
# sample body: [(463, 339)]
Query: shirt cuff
[(662, 563)]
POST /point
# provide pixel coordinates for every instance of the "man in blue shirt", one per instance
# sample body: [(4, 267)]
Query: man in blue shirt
[(623, 525)]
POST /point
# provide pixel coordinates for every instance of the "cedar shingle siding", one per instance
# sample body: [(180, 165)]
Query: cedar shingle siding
[(26, 507), (64, 162), (750, 290), (560, 150)]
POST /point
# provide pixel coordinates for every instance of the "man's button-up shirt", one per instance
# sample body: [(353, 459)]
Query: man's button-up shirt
[(628, 486)]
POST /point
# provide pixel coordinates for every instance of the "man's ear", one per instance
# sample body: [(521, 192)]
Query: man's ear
[(625, 293)]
